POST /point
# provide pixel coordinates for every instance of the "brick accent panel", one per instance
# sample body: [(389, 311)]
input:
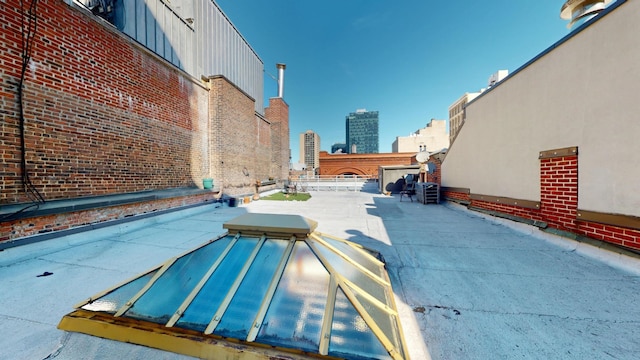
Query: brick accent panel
[(559, 191), (532, 214), (455, 195), (34, 226), (613, 234), (103, 115)]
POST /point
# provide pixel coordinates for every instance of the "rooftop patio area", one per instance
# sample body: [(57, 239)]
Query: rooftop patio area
[(466, 285)]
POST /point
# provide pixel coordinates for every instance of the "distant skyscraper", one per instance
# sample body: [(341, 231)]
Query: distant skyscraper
[(310, 150), (362, 132)]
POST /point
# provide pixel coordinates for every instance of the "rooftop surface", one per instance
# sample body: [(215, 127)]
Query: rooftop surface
[(467, 286)]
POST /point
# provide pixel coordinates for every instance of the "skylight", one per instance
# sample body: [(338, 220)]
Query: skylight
[(271, 284)]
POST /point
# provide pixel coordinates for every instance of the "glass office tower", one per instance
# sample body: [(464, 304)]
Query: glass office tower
[(362, 132)]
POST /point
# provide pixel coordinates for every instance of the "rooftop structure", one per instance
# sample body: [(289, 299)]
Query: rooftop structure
[(581, 11)]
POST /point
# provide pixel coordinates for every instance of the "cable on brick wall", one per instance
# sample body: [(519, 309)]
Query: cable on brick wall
[(29, 26)]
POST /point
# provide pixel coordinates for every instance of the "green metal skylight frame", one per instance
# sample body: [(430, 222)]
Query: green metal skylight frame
[(270, 285)]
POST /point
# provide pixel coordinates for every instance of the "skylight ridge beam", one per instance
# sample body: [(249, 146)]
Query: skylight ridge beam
[(327, 320), (217, 316), (192, 295), (273, 286)]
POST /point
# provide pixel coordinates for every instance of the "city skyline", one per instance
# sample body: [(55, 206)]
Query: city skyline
[(408, 62)]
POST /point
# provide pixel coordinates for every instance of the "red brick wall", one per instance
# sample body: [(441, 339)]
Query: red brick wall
[(278, 114), (44, 224), (532, 214), (435, 177), (559, 204), (559, 191), (234, 130), (609, 233), (361, 164), (455, 195), (102, 115)]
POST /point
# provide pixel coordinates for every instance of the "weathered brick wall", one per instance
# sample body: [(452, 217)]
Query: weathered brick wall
[(102, 114), (278, 114), (44, 224), (234, 130), (435, 176)]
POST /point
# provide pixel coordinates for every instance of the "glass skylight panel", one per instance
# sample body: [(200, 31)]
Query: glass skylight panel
[(165, 296), (352, 273), (358, 255), (201, 310), (318, 294), (114, 300), (351, 337), (294, 318), (385, 321), (237, 320)]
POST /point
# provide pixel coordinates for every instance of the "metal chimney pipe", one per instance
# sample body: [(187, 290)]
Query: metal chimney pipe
[(281, 68)]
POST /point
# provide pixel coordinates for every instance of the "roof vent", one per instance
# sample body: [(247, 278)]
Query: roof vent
[(581, 11)]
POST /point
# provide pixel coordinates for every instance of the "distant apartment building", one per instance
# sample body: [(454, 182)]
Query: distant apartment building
[(433, 137), (309, 149), (362, 132), (457, 115), (339, 148)]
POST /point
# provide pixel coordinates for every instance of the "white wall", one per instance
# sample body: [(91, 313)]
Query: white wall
[(583, 93), (434, 136)]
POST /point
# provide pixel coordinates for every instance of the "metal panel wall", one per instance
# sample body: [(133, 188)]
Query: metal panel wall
[(222, 50), (208, 44)]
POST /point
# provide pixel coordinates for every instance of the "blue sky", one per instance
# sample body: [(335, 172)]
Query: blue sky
[(407, 59)]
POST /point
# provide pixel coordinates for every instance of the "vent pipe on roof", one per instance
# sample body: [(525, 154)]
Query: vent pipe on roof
[(581, 11), (281, 68)]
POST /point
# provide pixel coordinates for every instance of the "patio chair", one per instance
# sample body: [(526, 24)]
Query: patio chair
[(409, 187)]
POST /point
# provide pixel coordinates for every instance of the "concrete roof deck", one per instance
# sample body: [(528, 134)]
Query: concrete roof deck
[(467, 286)]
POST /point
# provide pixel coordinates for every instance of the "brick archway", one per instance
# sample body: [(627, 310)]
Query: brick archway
[(349, 171), (361, 164)]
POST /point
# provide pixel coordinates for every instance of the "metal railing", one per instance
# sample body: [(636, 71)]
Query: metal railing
[(330, 183)]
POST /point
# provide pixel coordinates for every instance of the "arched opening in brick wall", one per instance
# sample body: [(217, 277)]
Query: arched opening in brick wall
[(348, 171)]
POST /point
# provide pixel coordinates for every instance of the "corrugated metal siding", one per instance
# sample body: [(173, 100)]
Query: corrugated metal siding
[(211, 46), (223, 51)]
